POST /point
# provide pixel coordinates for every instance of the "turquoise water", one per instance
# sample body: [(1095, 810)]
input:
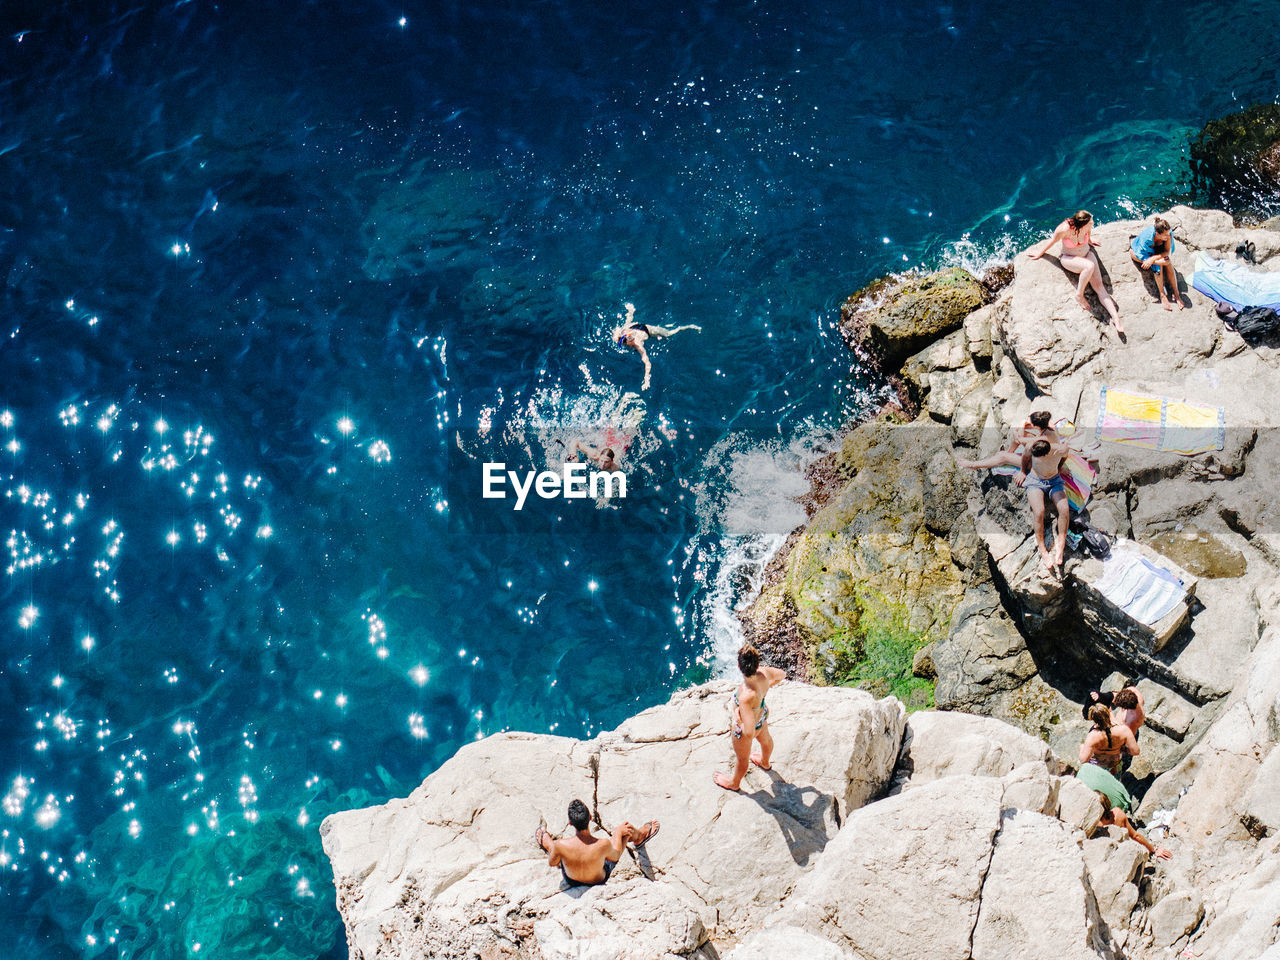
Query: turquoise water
[(278, 278)]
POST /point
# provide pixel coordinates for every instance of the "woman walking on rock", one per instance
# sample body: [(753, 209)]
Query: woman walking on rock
[(749, 716), (1078, 257)]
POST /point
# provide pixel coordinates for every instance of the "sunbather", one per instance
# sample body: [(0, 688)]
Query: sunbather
[(1041, 475), (1108, 742), (1151, 250), (1078, 257), (749, 717), (585, 859), (1036, 427)]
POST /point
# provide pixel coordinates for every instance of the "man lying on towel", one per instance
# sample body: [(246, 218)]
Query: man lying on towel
[(1040, 474)]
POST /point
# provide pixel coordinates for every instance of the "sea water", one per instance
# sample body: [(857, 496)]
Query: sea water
[(280, 277)]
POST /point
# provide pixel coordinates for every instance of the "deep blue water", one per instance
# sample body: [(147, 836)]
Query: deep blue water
[(278, 277)]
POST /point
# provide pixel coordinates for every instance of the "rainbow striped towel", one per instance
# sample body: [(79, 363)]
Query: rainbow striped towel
[(1078, 474), (1159, 423)]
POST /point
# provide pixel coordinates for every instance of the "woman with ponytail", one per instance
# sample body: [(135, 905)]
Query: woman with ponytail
[(1078, 257), (1108, 741)]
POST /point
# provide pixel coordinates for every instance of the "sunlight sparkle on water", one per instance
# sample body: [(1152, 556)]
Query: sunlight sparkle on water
[(28, 616), (420, 675), (346, 426)]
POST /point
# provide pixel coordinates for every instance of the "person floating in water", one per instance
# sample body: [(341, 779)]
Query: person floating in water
[(584, 859), (749, 716), (633, 335), (1036, 428), (1078, 257), (603, 457), (1041, 475), (1151, 250)]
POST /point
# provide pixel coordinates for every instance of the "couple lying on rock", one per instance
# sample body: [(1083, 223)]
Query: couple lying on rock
[(1117, 719), (1040, 453), (587, 860)]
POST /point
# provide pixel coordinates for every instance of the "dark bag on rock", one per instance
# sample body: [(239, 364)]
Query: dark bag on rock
[(1096, 542), (1257, 323)]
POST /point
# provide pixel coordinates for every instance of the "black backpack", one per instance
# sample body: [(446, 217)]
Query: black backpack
[(1257, 323)]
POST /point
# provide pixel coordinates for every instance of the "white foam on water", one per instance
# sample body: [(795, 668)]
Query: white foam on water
[(746, 509)]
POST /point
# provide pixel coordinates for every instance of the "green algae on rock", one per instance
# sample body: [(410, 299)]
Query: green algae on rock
[(894, 317), (1239, 155), (876, 560)]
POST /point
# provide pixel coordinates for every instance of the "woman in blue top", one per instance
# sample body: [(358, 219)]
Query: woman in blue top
[(1152, 250)]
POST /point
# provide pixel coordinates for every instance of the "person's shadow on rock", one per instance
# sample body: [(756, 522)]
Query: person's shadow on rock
[(802, 822)]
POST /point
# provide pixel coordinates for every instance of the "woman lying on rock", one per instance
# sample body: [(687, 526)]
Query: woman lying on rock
[(749, 716), (1078, 257), (1108, 741)]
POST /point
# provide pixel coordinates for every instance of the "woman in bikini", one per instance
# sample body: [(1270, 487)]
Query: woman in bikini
[(1078, 257), (1108, 741), (749, 716), (633, 335)]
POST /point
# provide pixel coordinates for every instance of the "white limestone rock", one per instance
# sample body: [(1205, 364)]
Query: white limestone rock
[(453, 872)]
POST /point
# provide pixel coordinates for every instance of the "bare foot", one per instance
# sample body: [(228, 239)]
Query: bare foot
[(726, 781), (1084, 304), (1167, 305), (756, 758)]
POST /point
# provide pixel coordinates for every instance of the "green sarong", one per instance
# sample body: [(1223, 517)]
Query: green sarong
[(1096, 778)]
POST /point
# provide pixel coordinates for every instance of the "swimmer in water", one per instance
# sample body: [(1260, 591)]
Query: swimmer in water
[(602, 457), (633, 335)]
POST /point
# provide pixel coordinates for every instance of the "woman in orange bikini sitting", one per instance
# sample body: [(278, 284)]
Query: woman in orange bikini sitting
[(1078, 257)]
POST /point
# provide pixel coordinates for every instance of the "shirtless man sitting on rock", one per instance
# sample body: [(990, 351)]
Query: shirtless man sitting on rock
[(1041, 475), (584, 859)]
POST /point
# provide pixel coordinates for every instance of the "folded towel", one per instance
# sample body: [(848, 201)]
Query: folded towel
[(1140, 588)]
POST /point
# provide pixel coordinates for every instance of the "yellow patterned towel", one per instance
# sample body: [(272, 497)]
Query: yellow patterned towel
[(1159, 423)]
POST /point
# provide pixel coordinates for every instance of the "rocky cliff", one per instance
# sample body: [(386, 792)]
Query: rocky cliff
[(945, 834)]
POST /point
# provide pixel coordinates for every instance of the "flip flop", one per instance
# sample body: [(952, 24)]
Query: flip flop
[(654, 827), (539, 834)]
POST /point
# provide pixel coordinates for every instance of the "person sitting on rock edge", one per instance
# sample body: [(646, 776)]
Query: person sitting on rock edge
[(1041, 476), (1115, 817), (1078, 257), (1151, 250), (1036, 428), (584, 859), (1108, 741), (749, 716)]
